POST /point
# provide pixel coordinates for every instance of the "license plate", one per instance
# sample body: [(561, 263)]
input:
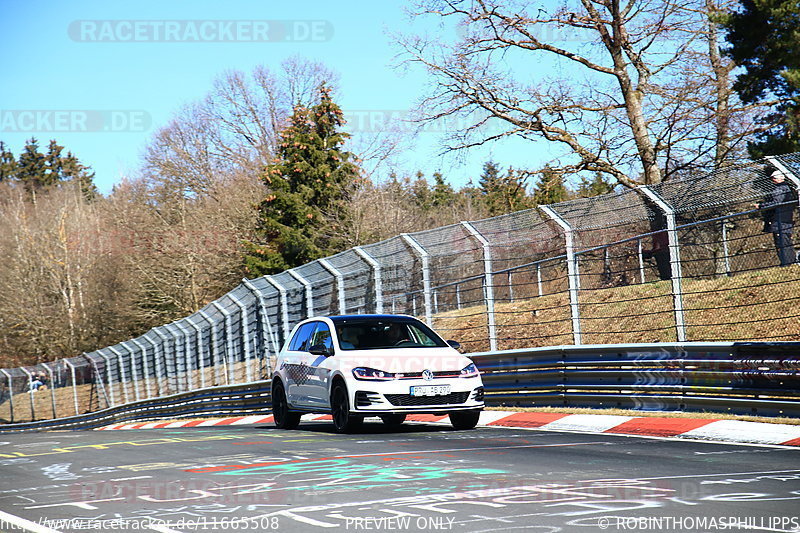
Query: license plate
[(430, 390)]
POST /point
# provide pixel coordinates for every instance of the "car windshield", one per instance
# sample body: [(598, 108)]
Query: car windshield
[(385, 334)]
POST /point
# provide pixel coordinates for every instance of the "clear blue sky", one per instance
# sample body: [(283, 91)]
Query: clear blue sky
[(46, 67)]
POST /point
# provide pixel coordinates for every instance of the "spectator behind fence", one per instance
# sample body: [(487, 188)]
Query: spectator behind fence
[(35, 383), (778, 212)]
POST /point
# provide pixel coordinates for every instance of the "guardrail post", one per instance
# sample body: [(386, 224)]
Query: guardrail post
[(674, 260), (309, 294), (266, 326), (215, 358), (200, 369), (488, 284), (284, 306), (248, 373), (74, 385), (339, 284), (572, 272), (10, 393), (228, 343), (165, 366), (113, 400), (52, 388), (30, 392), (146, 366), (426, 275), (376, 269), (123, 376)]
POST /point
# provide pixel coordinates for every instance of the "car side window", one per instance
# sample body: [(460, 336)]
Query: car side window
[(300, 341), (322, 335)]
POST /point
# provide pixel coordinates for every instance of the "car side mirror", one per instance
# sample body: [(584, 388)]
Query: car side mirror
[(320, 349), (454, 344)]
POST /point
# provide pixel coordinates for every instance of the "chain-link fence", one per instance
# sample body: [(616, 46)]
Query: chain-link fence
[(685, 260)]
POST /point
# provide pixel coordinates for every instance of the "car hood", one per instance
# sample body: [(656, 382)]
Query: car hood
[(404, 360)]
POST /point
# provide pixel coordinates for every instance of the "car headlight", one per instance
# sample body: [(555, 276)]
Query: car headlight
[(469, 371), (371, 374)]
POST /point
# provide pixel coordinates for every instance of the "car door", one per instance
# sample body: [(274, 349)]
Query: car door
[(316, 387), (294, 372)]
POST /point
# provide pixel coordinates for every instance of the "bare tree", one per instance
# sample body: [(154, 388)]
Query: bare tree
[(615, 84)]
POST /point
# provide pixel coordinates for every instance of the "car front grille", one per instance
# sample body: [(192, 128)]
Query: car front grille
[(406, 400)]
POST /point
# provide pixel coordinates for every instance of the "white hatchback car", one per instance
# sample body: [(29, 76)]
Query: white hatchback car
[(373, 365)]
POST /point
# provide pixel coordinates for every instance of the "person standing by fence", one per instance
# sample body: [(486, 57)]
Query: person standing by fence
[(779, 216)]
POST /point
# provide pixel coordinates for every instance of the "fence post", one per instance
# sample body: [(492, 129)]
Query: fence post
[(30, 392), (539, 278), (134, 372), (488, 284), (104, 357), (248, 373), (52, 388), (159, 367), (156, 365), (175, 358), (641, 259), (187, 358), (74, 385), (266, 326), (122, 376), (10, 393), (200, 370), (215, 358), (309, 294), (228, 342), (426, 275), (339, 284), (376, 269), (98, 380), (572, 272), (146, 367), (674, 260), (284, 306), (725, 250)]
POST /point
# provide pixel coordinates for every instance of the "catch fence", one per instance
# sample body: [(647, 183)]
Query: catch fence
[(681, 261)]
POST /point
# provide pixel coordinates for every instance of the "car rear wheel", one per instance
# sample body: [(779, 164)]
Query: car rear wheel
[(465, 419), (284, 419), (393, 420), (343, 420)]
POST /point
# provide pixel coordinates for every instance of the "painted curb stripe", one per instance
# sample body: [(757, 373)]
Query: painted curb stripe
[(756, 432), (659, 427), (528, 420), (600, 423)]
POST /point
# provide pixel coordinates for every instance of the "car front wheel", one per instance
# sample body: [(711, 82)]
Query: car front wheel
[(465, 419), (343, 420), (284, 419)]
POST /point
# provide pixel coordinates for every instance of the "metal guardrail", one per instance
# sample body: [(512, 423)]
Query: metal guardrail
[(245, 399), (739, 378)]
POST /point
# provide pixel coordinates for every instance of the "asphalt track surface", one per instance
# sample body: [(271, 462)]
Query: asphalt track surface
[(420, 477)]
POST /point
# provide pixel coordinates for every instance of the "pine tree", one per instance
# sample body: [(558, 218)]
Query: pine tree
[(595, 187), (550, 188), (421, 192), (502, 193), (32, 166), (8, 165), (443, 193), (304, 213)]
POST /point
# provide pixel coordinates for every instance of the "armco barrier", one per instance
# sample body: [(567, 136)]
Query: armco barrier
[(245, 399), (741, 378)]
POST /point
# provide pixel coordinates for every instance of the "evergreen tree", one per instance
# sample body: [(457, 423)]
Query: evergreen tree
[(443, 193), (550, 188), (302, 218), (597, 186), (32, 166), (8, 165), (421, 192), (764, 40), (502, 193)]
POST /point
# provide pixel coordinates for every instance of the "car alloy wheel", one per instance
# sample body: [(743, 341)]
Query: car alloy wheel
[(284, 419), (343, 421)]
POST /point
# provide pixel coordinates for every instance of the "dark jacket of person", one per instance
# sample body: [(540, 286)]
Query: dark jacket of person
[(779, 209)]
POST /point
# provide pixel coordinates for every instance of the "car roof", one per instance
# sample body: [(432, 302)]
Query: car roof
[(342, 319)]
